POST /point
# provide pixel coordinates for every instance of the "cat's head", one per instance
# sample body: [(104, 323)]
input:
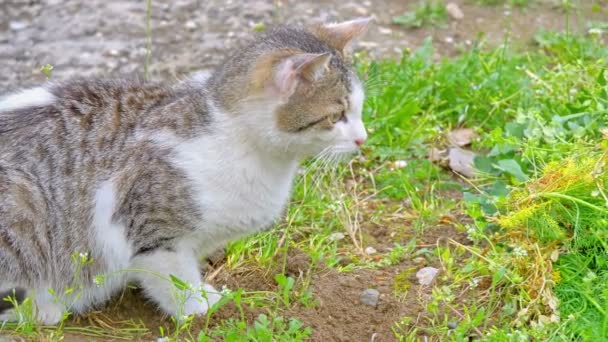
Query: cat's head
[(295, 90)]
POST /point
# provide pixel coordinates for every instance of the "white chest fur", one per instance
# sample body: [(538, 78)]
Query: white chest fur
[(238, 189)]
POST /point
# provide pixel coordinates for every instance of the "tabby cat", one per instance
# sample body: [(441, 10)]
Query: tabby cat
[(139, 180)]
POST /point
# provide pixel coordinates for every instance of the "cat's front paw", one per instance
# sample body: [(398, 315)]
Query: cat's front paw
[(200, 304), (49, 313), (44, 313)]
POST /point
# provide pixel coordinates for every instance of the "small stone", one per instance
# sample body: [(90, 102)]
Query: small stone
[(336, 237), (360, 10), (190, 25), (385, 30), (452, 325), (113, 52), (419, 260), (426, 275), (400, 164), (368, 45), (18, 25), (449, 40), (370, 297), (112, 65), (370, 250), (454, 11)]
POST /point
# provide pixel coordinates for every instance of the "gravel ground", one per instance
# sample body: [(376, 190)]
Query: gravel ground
[(107, 37)]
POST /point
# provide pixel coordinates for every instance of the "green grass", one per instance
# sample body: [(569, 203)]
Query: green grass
[(427, 12), (546, 272)]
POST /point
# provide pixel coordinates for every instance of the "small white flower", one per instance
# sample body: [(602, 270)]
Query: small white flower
[(225, 290), (595, 31), (591, 276), (98, 281), (518, 251)]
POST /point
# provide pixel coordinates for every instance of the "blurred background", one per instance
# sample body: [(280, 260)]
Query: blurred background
[(109, 36)]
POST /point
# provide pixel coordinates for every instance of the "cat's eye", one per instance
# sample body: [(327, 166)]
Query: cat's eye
[(339, 116)]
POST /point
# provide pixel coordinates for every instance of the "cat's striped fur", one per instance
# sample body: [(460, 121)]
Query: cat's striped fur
[(148, 176)]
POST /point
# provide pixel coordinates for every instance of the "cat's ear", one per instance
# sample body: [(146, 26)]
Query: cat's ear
[(338, 35), (298, 68)]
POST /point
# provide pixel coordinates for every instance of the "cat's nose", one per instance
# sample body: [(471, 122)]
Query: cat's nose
[(359, 142)]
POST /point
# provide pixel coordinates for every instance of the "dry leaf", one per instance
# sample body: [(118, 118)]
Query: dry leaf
[(436, 154), (554, 255), (461, 136), (461, 161)]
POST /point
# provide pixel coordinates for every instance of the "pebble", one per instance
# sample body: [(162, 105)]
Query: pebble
[(190, 25), (336, 237), (370, 250), (18, 25), (368, 45), (452, 325), (419, 260), (384, 30), (454, 11), (360, 10), (370, 297), (400, 164), (426, 275)]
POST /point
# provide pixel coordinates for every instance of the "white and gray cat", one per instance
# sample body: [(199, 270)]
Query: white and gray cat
[(149, 177)]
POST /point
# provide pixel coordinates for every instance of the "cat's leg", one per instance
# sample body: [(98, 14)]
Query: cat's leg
[(47, 310), (154, 276)]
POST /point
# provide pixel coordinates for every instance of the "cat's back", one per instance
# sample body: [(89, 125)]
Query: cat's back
[(94, 115), (67, 146)]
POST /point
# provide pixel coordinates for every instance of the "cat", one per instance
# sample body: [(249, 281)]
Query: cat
[(135, 181)]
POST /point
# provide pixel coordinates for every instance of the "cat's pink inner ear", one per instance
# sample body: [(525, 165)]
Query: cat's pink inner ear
[(340, 34), (303, 67)]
